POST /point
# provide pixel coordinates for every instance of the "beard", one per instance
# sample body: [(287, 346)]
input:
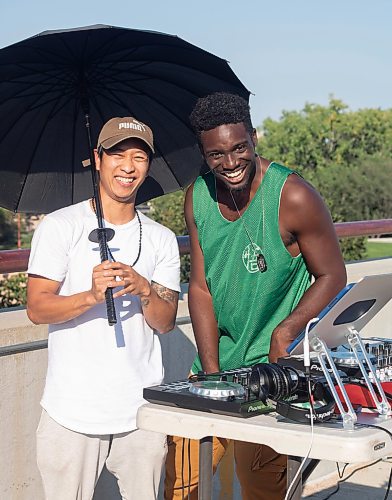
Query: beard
[(244, 185), (239, 189)]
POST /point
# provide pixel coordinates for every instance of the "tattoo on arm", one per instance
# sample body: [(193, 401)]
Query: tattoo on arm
[(165, 293), (145, 302)]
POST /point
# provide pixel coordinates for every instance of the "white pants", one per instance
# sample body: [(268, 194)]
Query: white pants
[(70, 463)]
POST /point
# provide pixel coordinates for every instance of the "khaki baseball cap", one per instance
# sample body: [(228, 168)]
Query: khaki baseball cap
[(117, 130)]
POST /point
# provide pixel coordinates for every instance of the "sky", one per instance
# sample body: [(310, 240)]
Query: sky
[(286, 52)]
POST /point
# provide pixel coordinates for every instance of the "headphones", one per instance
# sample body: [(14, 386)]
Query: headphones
[(321, 394), (288, 387)]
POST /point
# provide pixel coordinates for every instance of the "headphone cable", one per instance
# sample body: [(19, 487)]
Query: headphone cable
[(311, 412)]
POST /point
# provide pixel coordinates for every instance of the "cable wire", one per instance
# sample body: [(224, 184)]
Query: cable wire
[(350, 475), (363, 467), (312, 414), (299, 471), (182, 468), (189, 469)]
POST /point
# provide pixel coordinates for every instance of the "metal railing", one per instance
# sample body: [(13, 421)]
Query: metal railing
[(35, 345), (12, 261)]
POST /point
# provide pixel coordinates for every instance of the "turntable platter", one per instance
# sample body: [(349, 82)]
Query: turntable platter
[(217, 389), (347, 358)]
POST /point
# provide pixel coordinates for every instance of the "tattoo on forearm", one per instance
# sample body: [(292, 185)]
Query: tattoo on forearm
[(165, 293)]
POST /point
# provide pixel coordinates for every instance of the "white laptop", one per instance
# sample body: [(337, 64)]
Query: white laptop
[(354, 306)]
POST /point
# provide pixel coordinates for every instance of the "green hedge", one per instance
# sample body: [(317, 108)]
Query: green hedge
[(13, 290)]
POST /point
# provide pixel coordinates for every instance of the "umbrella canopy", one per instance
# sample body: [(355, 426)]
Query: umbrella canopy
[(48, 82)]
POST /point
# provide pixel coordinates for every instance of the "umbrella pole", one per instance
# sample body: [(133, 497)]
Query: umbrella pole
[(101, 231)]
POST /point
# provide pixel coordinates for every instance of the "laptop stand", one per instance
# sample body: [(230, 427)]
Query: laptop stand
[(349, 417)]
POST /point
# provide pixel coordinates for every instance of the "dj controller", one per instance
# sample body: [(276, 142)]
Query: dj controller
[(230, 392), (227, 393)]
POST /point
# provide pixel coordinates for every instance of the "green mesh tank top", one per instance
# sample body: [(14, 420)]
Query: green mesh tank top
[(248, 304)]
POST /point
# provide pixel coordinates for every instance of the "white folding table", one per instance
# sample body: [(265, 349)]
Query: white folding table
[(330, 441)]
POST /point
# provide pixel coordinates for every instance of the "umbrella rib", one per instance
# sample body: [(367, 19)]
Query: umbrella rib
[(145, 76), (28, 170), (60, 78), (51, 115), (129, 84), (181, 120), (47, 54), (30, 163), (55, 111), (117, 100), (31, 108), (18, 94), (99, 111), (99, 49), (186, 46), (27, 67), (75, 113)]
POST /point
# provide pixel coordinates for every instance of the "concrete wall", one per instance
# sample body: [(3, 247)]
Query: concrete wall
[(21, 383), (22, 377)]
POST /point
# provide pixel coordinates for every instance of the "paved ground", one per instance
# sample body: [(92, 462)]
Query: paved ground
[(359, 482)]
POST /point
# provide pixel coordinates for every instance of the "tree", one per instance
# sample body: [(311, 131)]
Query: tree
[(344, 154), (169, 211), (13, 290), (320, 135), (360, 192), (8, 229)]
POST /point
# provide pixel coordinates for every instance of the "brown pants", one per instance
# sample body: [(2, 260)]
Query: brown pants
[(261, 471)]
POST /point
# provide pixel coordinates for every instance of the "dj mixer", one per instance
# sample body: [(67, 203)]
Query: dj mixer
[(227, 393), (230, 392)]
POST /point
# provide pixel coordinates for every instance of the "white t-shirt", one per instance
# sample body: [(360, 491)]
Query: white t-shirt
[(96, 372)]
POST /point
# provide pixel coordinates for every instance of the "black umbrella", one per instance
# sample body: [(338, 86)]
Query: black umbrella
[(50, 81), (59, 84)]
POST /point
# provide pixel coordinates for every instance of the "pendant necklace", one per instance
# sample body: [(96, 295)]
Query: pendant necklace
[(260, 259), (140, 236)]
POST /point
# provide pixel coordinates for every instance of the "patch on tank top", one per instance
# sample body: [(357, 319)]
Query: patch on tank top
[(249, 257)]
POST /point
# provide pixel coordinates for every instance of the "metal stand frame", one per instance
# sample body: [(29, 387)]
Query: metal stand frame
[(205, 468), (205, 471), (349, 416), (293, 464), (355, 341)]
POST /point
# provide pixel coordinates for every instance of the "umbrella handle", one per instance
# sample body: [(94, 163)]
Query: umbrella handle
[(101, 232), (110, 309), (103, 250)]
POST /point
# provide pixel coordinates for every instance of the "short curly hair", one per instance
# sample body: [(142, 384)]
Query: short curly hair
[(220, 108)]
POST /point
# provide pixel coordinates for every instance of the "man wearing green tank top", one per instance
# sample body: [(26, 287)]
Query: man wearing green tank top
[(259, 233)]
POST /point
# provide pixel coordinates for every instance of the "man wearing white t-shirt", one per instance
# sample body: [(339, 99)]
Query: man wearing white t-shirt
[(97, 372)]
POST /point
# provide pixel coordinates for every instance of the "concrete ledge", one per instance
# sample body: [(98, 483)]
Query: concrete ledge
[(365, 481), (22, 377), (16, 328)]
